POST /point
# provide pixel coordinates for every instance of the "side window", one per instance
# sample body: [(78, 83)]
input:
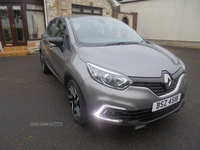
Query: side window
[(51, 27), (61, 31)]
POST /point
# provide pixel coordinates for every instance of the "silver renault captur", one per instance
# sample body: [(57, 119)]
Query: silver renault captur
[(112, 73)]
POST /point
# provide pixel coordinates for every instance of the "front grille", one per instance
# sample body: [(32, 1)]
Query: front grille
[(158, 88), (147, 115)]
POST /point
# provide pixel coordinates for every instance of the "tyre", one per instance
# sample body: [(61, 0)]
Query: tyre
[(76, 102), (45, 68)]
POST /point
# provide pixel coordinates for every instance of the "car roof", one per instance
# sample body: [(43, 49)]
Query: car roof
[(82, 16)]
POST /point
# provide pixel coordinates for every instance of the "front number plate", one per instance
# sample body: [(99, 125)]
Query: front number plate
[(166, 102)]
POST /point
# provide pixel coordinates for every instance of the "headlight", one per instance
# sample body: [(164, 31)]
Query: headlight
[(108, 78), (182, 64)]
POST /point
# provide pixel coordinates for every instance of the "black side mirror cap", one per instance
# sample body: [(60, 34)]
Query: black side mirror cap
[(58, 41)]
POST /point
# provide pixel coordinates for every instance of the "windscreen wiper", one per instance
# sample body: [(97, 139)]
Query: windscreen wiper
[(119, 43)]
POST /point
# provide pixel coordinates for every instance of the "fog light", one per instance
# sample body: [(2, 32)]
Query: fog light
[(107, 114), (110, 114)]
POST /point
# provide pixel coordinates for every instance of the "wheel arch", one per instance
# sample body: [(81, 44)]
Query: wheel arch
[(67, 78)]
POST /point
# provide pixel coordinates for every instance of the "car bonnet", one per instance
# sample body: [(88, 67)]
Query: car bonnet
[(132, 60)]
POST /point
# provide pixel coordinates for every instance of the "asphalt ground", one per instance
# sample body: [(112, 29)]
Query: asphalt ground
[(34, 113)]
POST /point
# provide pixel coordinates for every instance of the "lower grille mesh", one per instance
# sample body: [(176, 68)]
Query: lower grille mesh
[(147, 115)]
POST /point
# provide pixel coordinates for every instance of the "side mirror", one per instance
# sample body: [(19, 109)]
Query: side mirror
[(58, 41)]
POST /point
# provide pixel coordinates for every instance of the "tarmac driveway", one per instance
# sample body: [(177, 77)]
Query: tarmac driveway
[(34, 113)]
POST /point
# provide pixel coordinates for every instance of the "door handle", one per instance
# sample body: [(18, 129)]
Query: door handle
[(13, 26)]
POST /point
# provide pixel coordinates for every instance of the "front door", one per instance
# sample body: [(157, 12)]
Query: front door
[(11, 25)]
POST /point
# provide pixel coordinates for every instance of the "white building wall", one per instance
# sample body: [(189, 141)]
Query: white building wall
[(177, 20)]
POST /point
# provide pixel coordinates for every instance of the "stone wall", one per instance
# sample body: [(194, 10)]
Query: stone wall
[(33, 46), (56, 8)]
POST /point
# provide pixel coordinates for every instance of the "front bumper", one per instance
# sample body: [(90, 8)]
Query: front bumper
[(135, 101), (142, 117)]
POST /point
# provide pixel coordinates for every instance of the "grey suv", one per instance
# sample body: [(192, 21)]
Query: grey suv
[(111, 72)]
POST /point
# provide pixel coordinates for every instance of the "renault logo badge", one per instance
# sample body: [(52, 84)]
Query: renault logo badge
[(167, 81)]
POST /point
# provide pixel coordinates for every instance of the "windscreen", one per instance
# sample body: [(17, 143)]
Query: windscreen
[(100, 31)]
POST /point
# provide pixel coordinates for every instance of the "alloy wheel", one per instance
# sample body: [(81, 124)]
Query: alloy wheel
[(74, 102), (42, 61)]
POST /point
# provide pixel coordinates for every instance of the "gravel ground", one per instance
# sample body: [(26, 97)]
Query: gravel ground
[(34, 113)]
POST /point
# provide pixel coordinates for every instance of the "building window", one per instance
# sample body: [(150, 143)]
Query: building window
[(5, 22), (86, 10), (125, 20), (75, 9), (35, 20), (96, 11), (34, 7)]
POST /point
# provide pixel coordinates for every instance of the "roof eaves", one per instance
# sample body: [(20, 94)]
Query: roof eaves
[(130, 1), (114, 3)]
